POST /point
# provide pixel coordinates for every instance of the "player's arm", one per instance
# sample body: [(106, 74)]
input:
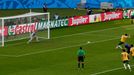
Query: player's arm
[(128, 36)]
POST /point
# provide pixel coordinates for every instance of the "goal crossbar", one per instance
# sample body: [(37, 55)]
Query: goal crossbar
[(25, 15)]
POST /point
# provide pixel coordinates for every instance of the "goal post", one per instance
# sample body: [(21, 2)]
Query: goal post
[(19, 27), (2, 32)]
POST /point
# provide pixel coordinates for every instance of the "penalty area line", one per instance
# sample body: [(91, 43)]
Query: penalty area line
[(110, 70), (43, 51), (57, 49), (5, 55), (101, 30)]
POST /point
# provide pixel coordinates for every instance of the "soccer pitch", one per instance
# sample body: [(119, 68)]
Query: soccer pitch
[(58, 55)]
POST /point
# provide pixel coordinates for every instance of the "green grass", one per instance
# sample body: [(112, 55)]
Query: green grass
[(57, 56)]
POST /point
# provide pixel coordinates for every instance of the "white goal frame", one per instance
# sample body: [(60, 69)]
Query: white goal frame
[(30, 14)]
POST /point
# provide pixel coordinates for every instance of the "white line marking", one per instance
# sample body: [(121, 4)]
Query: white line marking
[(68, 46), (92, 31), (88, 32), (106, 71), (16, 39), (56, 49), (4, 55), (68, 35), (79, 33)]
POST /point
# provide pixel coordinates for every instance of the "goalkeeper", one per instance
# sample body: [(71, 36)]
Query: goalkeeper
[(33, 36)]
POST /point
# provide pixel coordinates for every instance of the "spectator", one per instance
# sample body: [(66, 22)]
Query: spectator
[(119, 9), (56, 16), (107, 10), (45, 7), (89, 11)]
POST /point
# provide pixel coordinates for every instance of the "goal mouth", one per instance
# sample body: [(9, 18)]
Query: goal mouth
[(19, 27)]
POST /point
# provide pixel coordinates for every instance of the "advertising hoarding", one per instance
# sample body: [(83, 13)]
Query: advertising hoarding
[(5, 31), (95, 18), (111, 16), (78, 20)]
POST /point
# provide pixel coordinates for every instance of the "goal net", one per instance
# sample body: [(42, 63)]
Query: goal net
[(21, 26)]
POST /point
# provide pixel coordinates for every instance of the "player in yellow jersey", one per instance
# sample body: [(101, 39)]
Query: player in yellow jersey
[(122, 40), (132, 50), (125, 59)]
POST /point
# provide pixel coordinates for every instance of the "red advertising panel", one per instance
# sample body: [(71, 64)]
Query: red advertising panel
[(5, 31), (20, 29), (111, 16), (74, 21)]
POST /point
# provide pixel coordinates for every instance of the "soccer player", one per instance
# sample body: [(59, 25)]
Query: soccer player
[(132, 51), (32, 36), (122, 41), (81, 57), (128, 46), (125, 59)]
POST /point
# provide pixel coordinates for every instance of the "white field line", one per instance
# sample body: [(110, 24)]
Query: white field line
[(57, 49), (68, 35), (93, 31), (80, 33), (110, 70), (88, 32), (61, 37), (17, 39), (4, 55), (57, 38)]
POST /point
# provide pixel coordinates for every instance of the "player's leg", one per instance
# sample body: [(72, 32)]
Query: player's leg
[(37, 38), (119, 45), (82, 60), (82, 64), (79, 62), (128, 51), (124, 64), (31, 38), (129, 67)]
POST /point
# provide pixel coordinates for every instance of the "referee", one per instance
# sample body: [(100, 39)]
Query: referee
[(81, 56)]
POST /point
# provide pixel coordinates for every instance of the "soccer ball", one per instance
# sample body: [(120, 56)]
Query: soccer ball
[(88, 42)]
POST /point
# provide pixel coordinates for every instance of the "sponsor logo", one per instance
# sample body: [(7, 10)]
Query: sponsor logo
[(5, 31), (20, 29), (95, 18), (78, 20), (111, 16), (31, 27)]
